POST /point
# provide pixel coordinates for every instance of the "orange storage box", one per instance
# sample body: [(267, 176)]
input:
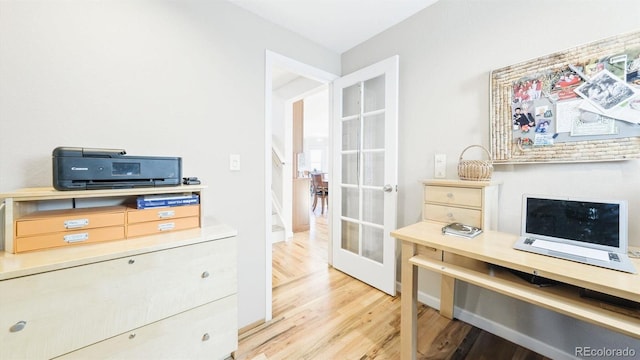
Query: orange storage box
[(55, 228), (151, 221)]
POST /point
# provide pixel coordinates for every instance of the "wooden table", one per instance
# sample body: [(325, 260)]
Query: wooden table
[(482, 261)]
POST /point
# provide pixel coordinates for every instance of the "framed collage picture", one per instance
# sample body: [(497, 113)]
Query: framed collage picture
[(582, 104)]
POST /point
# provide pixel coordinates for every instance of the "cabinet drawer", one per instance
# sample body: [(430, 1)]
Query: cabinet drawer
[(162, 226), (206, 332), (68, 238), (67, 309), (448, 214), (429, 252), (43, 222), (453, 195), (163, 213)]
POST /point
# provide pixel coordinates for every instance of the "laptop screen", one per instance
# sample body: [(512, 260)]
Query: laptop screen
[(591, 223)]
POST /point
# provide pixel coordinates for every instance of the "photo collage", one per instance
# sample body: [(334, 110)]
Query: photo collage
[(582, 99)]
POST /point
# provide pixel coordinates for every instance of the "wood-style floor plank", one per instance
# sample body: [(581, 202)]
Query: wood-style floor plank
[(321, 313)]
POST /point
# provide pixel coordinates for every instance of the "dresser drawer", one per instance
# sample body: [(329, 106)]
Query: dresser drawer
[(67, 309), (163, 213), (453, 195), (449, 214), (68, 238), (44, 222), (162, 226), (206, 332)]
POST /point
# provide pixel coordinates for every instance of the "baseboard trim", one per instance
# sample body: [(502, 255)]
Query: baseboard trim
[(511, 335), (250, 327), (256, 326)]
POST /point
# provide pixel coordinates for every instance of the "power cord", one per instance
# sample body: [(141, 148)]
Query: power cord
[(634, 254)]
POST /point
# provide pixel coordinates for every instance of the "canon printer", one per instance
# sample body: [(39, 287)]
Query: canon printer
[(86, 169)]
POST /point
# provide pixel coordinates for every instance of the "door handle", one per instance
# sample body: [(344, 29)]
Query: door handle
[(387, 188)]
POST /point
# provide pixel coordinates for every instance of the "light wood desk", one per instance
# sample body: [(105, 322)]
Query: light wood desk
[(473, 260)]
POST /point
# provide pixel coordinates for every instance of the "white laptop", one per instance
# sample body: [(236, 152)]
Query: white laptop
[(589, 231)]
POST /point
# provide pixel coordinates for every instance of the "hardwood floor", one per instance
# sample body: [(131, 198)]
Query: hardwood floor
[(321, 313)]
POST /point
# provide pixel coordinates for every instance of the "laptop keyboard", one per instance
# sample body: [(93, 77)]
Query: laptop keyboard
[(569, 249)]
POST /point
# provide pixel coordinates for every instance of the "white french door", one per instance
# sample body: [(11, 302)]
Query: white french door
[(364, 177)]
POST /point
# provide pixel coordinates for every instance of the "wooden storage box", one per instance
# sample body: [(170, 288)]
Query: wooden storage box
[(56, 228)]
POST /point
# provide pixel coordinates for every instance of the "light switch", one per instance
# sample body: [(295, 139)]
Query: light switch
[(440, 165), (234, 162)]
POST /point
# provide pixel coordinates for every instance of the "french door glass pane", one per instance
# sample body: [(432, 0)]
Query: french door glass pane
[(350, 203), (373, 167), (350, 236), (374, 94), (351, 134), (363, 142), (372, 243), (373, 206), (351, 100), (373, 132), (350, 169)]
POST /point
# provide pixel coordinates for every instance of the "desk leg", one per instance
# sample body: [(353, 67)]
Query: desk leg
[(447, 289), (408, 303)]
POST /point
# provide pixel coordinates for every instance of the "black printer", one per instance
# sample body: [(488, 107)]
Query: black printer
[(85, 169)]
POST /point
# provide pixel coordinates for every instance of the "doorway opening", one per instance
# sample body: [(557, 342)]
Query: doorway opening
[(304, 80)]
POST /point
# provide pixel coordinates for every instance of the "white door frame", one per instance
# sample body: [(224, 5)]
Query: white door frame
[(274, 59)]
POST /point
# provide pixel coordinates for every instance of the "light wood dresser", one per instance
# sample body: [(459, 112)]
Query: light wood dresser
[(472, 203), (166, 295)]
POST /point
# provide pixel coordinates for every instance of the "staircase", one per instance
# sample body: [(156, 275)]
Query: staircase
[(277, 229)]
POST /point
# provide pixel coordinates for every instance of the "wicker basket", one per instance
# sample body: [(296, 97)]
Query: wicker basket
[(477, 170)]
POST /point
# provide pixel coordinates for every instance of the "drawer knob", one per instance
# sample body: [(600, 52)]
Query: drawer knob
[(18, 326), (205, 274), (131, 261), (450, 215), (205, 337), (450, 195)]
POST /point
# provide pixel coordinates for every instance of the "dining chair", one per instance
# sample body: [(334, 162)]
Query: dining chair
[(320, 190)]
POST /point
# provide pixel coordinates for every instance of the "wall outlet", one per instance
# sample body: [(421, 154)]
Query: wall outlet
[(440, 166)]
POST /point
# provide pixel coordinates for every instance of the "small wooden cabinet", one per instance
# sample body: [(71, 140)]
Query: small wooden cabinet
[(156, 296), (469, 202), (472, 203)]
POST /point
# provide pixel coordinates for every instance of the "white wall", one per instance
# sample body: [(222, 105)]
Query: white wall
[(446, 53), (155, 77)]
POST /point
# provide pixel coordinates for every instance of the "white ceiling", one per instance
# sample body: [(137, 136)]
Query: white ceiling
[(338, 25)]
